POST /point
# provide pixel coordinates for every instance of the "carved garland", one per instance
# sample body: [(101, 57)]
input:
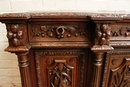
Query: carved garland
[(57, 31)]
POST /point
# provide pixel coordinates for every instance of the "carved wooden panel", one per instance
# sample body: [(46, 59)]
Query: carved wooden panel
[(120, 31), (59, 31), (61, 68), (117, 69)]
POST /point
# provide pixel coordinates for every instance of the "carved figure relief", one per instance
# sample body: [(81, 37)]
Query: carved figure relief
[(57, 31), (14, 34), (102, 34), (123, 31), (61, 75)]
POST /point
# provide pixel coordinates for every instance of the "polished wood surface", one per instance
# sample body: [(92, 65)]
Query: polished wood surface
[(70, 49)]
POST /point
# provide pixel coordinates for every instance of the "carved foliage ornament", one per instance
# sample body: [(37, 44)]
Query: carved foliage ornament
[(122, 79), (102, 34), (57, 31), (60, 72), (123, 31), (120, 76), (14, 34), (61, 76)]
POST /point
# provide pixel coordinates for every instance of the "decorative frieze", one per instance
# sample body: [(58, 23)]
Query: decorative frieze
[(123, 31), (57, 31)]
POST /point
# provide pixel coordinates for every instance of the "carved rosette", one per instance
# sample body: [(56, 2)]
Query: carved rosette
[(57, 31), (14, 34), (103, 34)]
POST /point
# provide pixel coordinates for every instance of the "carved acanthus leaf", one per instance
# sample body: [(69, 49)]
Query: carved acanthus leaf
[(122, 78)]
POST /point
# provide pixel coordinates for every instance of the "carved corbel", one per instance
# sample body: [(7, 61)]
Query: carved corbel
[(102, 34), (17, 37)]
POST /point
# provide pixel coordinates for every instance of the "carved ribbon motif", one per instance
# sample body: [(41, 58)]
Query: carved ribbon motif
[(102, 34), (57, 31), (14, 34)]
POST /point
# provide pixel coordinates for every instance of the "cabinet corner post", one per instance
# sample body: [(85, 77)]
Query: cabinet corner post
[(24, 69)]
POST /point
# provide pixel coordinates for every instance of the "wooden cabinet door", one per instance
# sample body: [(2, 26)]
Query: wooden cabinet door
[(117, 69), (61, 68)]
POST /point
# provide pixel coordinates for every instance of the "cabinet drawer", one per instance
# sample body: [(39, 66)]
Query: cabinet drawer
[(120, 31), (58, 31)]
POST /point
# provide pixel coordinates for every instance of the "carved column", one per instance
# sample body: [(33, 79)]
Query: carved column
[(18, 44), (101, 46), (97, 69), (24, 69)]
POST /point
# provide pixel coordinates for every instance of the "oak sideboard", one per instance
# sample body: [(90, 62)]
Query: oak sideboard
[(70, 49)]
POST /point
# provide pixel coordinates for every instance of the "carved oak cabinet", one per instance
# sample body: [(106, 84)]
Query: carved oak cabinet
[(70, 49)]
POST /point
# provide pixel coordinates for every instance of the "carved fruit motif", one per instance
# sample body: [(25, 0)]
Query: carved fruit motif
[(14, 34), (102, 34)]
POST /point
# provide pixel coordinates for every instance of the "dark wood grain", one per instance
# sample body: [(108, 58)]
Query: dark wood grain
[(70, 49)]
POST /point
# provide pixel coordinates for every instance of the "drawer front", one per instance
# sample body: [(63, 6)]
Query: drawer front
[(117, 69), (120, 31), (61, 68), (58, 31)]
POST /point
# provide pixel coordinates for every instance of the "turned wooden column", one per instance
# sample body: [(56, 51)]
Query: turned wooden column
[(102, 38), (97, 63), (18, 44), (24, 69)]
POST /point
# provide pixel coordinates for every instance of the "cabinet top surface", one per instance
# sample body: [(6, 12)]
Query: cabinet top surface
[(89, 15)]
